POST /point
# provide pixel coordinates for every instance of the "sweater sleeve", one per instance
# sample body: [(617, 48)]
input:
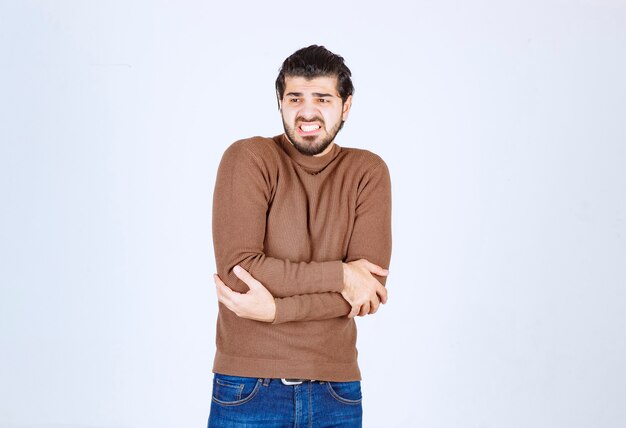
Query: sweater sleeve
[(371, 236), (240, 203), (371, 240), (311, 307)]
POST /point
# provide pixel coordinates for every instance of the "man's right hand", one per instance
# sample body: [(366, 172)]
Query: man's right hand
[(364, 292)]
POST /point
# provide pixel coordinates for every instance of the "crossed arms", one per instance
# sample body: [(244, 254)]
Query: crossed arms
[(265, 287), (362, 291)]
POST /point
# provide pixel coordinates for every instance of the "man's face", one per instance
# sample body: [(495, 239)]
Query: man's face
[(313, 113)]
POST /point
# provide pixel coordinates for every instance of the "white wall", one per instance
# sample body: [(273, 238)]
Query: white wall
[(503, 124)]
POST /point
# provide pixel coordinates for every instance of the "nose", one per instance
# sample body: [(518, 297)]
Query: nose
[(308, 110)]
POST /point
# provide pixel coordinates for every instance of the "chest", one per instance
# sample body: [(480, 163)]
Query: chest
[(311, 217)]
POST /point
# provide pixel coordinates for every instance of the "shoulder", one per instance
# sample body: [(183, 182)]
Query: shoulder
[(371, 174), (260, 150), (364, 161), (258, 146)]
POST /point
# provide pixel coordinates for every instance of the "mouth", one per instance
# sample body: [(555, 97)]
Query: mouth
[(309, 128)]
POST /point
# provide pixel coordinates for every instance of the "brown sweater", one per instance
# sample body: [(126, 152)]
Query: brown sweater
[(291, 220)]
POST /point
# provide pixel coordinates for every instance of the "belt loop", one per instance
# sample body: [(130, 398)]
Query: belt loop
[(266, 381)]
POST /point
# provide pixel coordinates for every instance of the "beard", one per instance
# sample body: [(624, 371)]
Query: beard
[(306, 144)]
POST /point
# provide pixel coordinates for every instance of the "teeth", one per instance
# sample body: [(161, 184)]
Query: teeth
[(309, 128)]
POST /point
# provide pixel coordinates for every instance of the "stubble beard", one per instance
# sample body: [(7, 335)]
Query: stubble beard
[(311, 149)]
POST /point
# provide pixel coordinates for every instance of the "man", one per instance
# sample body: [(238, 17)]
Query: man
[(301, 231)]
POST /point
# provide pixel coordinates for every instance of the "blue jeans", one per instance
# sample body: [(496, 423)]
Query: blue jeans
[(240, 402)]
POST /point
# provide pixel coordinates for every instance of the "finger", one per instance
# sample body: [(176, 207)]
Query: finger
[(224, 293), (220, 284), (374, 268), (226, 297), (229, 292), (354, 312), (218, 288), (245, 276), (222, 297), (381, 292), (374, 305), (365, 309)]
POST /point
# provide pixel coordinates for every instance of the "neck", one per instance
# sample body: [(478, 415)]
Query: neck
[(326, 150)]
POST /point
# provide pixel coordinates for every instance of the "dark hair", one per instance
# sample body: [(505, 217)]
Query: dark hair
[(315, 61)]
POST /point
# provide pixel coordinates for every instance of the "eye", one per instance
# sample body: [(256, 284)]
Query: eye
[(324, 100), (294, 100)]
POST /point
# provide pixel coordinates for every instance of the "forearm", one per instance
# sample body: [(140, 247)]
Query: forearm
[(310, 307), (283, 278)]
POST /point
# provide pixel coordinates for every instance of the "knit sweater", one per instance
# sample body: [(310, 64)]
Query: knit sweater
[(291, 220)]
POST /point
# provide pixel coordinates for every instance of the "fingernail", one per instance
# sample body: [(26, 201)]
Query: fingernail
[(237, 269)]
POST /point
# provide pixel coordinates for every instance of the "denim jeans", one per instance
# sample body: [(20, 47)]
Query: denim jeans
[(240, 402)]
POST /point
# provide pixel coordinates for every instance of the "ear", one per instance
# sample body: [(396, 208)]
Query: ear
[(279, 101), (346, 108)]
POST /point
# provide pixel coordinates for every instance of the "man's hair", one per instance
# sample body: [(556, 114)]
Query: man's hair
[(315, 61)]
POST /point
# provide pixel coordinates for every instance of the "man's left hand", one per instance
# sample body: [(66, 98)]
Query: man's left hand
[(257, 304)]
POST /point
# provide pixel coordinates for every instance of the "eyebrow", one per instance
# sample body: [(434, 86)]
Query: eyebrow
[(315, 94)]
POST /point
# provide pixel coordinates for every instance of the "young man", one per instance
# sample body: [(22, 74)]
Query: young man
[(302, 233)]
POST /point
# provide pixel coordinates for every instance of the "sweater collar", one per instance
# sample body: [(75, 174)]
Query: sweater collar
[(310, 163)]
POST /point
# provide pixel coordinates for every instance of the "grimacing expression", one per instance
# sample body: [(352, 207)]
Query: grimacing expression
[(313, 112)]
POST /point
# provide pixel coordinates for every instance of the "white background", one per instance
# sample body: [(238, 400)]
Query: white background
[(502, 123)]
